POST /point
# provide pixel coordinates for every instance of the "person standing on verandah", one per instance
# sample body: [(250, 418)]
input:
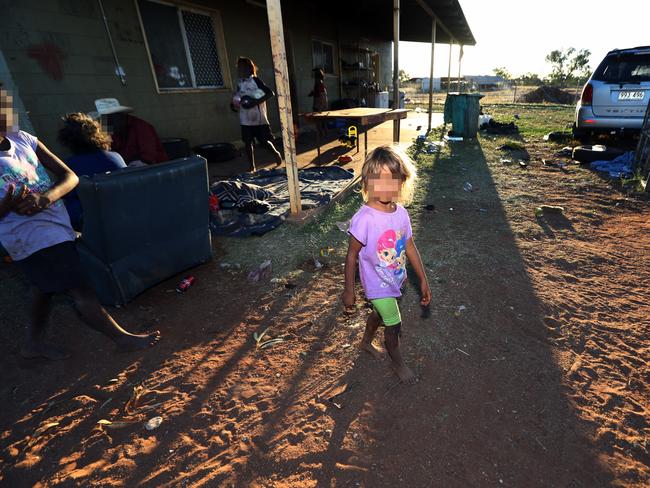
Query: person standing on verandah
[(250, 100)]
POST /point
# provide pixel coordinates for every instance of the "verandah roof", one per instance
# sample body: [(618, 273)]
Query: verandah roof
[(374, 18)]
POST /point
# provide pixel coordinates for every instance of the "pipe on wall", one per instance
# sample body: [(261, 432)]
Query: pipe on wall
[(118, 68)]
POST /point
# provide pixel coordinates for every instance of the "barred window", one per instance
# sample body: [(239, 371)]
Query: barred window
[(182, 46), (323, 56)]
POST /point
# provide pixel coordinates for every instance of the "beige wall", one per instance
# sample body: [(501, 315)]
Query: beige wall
[(76, 30)]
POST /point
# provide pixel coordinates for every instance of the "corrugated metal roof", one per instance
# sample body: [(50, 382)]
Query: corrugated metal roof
[(415, 24)]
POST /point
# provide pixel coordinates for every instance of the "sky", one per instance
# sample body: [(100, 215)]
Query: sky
[(518, 34)]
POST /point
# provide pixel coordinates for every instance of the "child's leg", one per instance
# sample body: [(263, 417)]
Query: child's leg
[(391, 340), (372, 324), (248, 147), (264, 134), (388, 310), (278, 156), (35, 344), (247, 135), (98, 318)]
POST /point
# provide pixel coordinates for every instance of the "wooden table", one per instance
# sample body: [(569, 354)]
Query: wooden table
[(361, 117)]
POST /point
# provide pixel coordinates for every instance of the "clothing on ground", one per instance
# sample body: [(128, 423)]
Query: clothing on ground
[(382, 260), (23, 235), (620, 167)]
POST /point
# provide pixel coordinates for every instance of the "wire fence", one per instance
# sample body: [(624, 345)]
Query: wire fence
[(504, 94)]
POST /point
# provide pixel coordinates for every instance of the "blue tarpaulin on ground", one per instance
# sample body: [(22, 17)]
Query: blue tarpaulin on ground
[(621, 167), (317, 187)]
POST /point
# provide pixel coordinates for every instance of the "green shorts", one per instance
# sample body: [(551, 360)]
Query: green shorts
[(388, 310)]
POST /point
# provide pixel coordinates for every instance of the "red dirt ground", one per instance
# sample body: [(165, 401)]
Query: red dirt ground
[(541, 380)]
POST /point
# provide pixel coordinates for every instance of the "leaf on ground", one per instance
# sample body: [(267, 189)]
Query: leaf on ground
[(113, 425), (271, 342), (44, 428), (258, 338)]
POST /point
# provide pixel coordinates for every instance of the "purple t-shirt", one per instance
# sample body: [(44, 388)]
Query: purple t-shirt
[(382, 260), (23, 235)]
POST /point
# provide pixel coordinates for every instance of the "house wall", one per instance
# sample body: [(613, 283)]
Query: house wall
[(76, 64)]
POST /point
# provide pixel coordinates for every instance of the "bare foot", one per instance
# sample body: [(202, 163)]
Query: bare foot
[(368, 347), (42, 349), (135, 342), (405, 374)]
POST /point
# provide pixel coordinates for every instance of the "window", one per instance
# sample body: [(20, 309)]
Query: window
[(323, 56), (182, 47), (621, 68)]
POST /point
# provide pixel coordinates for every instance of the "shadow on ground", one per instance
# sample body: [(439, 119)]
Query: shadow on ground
[(489, 409)]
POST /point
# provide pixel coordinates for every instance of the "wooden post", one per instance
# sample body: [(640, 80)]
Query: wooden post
[(449, 70), (396, 98), (433, 47), (460, 59), (276, 31)]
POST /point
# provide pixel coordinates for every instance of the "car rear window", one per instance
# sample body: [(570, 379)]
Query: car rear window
[(622, 68)]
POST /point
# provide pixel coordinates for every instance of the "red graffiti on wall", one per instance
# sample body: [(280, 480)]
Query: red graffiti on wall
[(50, 57)]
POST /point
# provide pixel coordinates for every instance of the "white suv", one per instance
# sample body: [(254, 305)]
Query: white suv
[(616, 96)]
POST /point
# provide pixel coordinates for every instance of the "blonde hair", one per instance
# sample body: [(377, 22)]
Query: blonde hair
[(82, 134), (397, 162)]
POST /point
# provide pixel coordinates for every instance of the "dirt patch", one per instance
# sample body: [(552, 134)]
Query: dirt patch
[(532, 363), (548, 94)]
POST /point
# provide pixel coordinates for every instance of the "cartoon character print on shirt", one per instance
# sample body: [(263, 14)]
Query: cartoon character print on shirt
[(32, 175), (391, 252)]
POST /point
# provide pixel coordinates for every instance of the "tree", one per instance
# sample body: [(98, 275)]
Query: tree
[(568, 66), (529, 79), (403, 76), (502, 72)]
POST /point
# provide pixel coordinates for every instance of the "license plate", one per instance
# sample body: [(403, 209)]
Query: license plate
[(631, 95)]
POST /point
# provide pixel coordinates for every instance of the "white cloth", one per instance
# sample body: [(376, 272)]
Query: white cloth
[(256, 115), (23, 235)]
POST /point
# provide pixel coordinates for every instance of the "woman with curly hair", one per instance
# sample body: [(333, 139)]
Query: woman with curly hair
[(90, 148)]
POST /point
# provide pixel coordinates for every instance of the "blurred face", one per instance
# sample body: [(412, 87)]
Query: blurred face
[(244, 70), (8, 118), (114, 123), (384, 186)]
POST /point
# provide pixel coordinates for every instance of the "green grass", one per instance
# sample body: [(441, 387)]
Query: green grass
[(535, 120), (635, 183)]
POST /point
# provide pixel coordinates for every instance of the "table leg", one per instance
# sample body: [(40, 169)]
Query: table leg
[(365, 142), (317, 144), (357, 144)]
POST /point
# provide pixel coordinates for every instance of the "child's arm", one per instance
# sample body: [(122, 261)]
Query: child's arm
[(416, 261), (65, 182), (268, 93), (350, 271)]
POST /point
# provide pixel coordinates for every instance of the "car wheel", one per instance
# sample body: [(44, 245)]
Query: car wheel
[(581, 135), (587, 154)]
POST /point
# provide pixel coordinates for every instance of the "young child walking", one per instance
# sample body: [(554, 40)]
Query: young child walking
[(381, 240), (250, 100), (36, 232)]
